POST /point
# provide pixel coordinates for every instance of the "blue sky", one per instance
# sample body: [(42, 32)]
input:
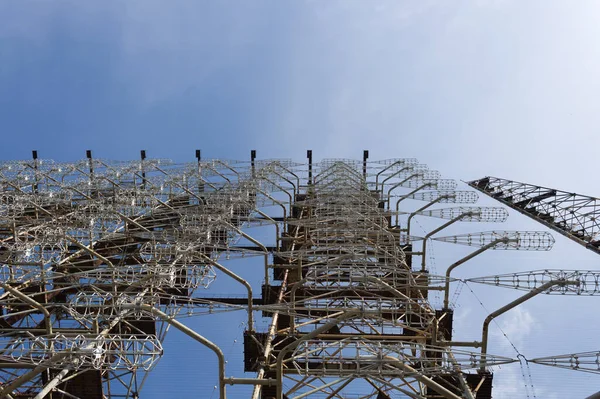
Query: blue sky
[(502, 84), (472, 88)]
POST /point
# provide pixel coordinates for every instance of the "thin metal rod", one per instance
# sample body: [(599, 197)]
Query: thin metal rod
[(23, 378), (310, 160), (442, 227), (53, 360), (398, 184), (240, 280), (270, 219), (423, 379), (200, 180), (271, 335), (467, 393), (383, 170), (88, 154), (365, 158), (463, 260), (190, 333), (89, 251), (52, 384), (35, 167), (338, 389), (31, 302), (412, 215), (506, 308), (293, 345), (469, 344), (250, 381), (258, 244), (319, 388), (408, 195)]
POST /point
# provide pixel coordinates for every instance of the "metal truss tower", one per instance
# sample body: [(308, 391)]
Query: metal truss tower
[(98, 259), (573, 215)]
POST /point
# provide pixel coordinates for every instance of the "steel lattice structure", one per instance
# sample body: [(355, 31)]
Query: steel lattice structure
[(99, 258), (573, 215)]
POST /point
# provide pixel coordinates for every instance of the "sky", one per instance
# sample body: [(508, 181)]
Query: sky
[(472, 88)]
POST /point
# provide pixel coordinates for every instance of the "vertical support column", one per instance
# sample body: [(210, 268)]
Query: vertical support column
[(252, 158), (34, 186), (200, 181), (310, 160), (88, 155), (365, 157), (143, 156)]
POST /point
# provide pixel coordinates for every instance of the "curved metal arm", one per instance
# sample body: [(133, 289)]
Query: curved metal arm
[(296, 187), (463, 260), (408, 195), (255, 242), (412, 215), (397, 184), (282, 190), (420, 174), (235, 172), (275, 202), (442, 227), (506, 308), (323, 174), (293, 174), (276, 223), (383, 170), (240, 280), (190, 333)]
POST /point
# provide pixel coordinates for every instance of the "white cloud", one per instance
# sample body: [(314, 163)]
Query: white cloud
[(508, 383), (517, 324)]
